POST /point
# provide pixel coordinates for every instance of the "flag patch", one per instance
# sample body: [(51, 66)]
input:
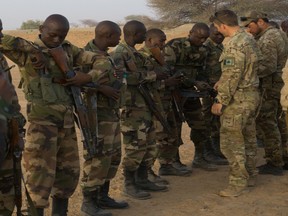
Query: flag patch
[(229, 61)]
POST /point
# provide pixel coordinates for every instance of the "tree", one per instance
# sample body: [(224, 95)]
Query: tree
[(178, 12), (31, 24), (89, 22)]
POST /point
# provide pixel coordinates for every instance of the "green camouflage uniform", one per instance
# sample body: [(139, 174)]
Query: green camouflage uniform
[(191, 62), (238, 92), (103, 167), (273, 49), (7, 111), (51, 158), (136, 118), (166, 143), (213, 70)]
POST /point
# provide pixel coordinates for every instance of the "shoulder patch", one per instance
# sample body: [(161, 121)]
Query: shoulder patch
[(230, 61)]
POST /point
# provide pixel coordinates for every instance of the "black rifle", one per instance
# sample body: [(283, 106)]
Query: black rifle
[(191, 93), (144, 91), (89, 138)]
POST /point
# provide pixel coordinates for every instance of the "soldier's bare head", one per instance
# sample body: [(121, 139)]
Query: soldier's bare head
[(198, 34), (54, 30), (215, 35), (107, 34), (134, 32), (155, 38)]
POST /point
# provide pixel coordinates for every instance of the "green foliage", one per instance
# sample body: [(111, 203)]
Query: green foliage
[(31, 24), (176, 12)]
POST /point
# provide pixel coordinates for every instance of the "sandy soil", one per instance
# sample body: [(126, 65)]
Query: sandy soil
[(193, 195)]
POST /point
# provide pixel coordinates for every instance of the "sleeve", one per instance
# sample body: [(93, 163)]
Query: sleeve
[(233, 64), (269, 52)]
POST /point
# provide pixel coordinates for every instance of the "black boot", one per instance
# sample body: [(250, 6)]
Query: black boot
[(106, 202), (211, 157), (177, 164), (153, 177), (59, 207), (199, 161), (131, 189), (168, 169), (38, 211), (90, 205), (216, 147), (143, 182)]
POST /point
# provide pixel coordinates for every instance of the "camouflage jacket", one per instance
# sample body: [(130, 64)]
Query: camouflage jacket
[(213, 66), (187, 59), (273, 48), (240, 64), (138, 70), (49, 103), (105, 68)]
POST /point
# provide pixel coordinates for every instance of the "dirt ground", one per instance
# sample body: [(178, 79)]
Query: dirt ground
[(194, 195)]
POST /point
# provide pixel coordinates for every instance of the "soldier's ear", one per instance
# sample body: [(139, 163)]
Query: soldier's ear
[(41, 28)]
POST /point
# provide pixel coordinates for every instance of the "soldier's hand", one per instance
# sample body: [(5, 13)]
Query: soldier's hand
[(38, 59), (216, 109), (161, 75), (173, 81), (79, 79), (109, 91), (201, 85)]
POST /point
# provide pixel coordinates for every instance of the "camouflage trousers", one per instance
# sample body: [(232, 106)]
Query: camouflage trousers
[(7, 197), (267, 122), (51, 162), (103, 167), (238, 136), (138, 138), (167, 144), (195, 120)]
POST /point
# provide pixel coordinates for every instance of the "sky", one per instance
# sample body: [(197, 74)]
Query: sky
[(14, 12)]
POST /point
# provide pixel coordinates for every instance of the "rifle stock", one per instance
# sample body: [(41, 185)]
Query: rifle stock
[(88, 138)]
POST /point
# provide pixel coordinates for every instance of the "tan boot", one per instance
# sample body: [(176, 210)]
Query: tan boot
[(233, 191)]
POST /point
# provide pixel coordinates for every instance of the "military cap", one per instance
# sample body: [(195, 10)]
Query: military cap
[(250, 17)]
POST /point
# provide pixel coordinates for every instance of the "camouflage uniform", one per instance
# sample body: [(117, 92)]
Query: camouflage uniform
[(272, 47), (7, 110), (103, 167), (238, 93), (213, 70), (136, 118), (191, 62), (51, 158), (166, 143)]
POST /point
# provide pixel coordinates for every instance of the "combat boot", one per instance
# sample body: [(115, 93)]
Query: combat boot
[(199, 161), (252, 181), (233, 191), (215, 141), (59, 207), (105, 201), (177, 164), (143, 182), (270, 169), (211, 157), (33, 211), (168, 169), (156, 178), (90, 206), (131, 189)]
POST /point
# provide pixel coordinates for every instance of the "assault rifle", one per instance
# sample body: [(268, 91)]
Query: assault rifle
[(16, 140), (89, 138), (191, 93), (144, 91)]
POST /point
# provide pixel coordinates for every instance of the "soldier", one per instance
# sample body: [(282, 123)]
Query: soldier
[(284, 26), (272, 46), (136, 118), (99, 170), (9, 109), (188, 56), (51, 159), (213, 69), (236, 102), (167, 144)]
